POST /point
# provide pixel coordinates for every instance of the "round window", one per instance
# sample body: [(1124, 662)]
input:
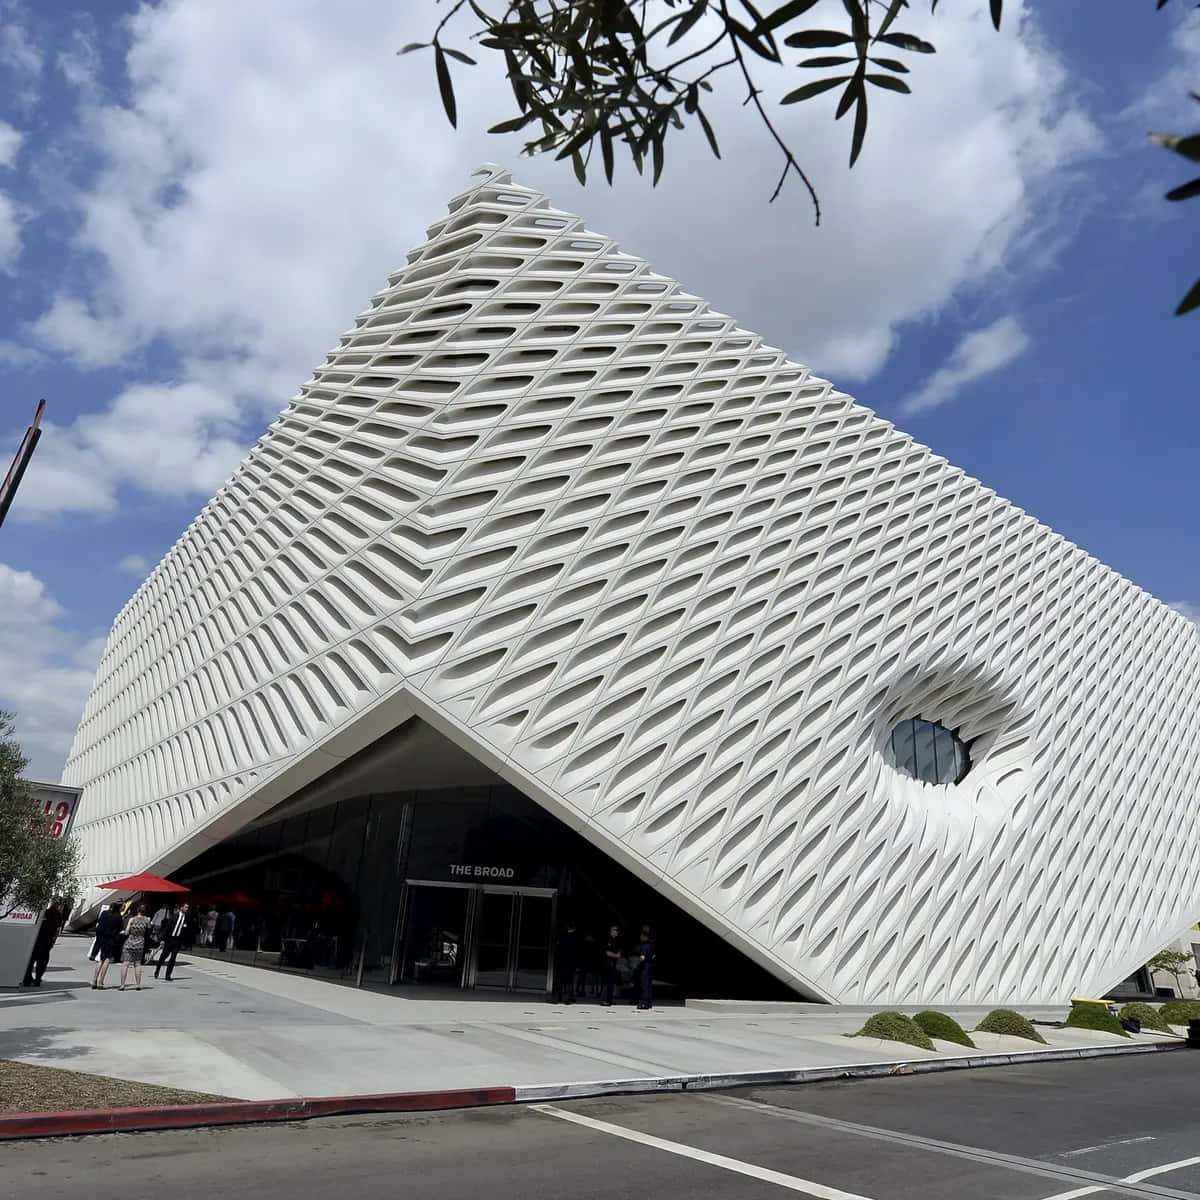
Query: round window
[(929, 752)]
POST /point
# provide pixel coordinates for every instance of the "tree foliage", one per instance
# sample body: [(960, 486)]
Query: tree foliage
[(1175, 963), (1189, 148), (625, 74), (34, 867)]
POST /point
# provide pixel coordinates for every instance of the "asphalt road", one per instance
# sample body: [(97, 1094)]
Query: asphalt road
[(1105, 1128)]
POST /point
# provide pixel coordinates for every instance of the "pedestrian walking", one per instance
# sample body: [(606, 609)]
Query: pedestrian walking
[(47, 935), (612, 957), (645, 978), (108, 939), (225, 927), (173, 935), (136, 929)]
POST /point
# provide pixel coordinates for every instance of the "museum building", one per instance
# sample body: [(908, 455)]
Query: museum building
[(555, 598)]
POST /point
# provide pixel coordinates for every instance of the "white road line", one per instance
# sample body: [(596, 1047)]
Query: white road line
[(792, 1182), (1136, 1177), (1104, 1146)]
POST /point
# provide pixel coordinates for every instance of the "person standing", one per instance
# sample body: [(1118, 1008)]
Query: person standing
[(108, 941), (191, 928), (47, 935), (134, 948), (208, 928), (160, 919), (645, 977), (173, 935), (225, 926), (568, 964), (612, 956)]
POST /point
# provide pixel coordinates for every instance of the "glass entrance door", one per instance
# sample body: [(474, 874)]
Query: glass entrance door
[(497, 913), (470, 935), (436, 944), (534, 944), (513, 937)]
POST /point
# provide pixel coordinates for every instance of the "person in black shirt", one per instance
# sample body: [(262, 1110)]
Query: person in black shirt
[(612, 956), (47, 934), (568, 964), (108, 939), (645, 975)]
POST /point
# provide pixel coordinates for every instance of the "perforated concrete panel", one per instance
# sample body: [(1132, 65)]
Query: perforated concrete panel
[(679, 591)]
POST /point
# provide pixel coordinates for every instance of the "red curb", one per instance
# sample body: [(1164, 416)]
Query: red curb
[(240, 1112)]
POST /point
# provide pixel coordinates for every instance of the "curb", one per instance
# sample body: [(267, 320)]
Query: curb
[(240, 1112), (700, 1083), (256, 1112)]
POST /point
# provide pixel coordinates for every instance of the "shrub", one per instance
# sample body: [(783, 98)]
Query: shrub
[(1179, 1012), (1004, 1020), (1095, 1017), (1146, 1015), (938, 1025), (895, 1027)]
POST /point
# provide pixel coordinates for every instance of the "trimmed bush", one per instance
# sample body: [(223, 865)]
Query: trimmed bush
[(1095, 1017), (1004, 1020), (1179, 1012), (947, 1029), (895, 1027), (1146, 1015)]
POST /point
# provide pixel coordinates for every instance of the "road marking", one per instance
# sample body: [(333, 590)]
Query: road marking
[(1104, 1146), (640, 1068), (1033, 1166), (791, 1182), (1136, 1177)]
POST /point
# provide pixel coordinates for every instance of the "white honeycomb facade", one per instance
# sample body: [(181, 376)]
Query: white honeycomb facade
[(678, 591)]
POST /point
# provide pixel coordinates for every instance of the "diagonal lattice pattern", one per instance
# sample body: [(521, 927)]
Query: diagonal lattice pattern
[(679, 591)]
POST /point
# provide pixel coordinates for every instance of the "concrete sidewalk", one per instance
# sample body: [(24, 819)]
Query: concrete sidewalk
[(256, 1034)]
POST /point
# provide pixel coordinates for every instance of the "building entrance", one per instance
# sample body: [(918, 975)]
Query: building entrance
[(478, 935)]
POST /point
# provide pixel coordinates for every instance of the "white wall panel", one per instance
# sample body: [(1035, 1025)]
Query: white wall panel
[(679, 591)]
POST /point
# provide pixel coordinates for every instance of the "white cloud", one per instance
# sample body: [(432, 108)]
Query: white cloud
[(10, 143), (1166, 103), (12, 218), (1188, 608), (979, 353), (134, 564), (172, 439), (45, 671), (11, 215), (79, 64), (238, 217), (17, 50)]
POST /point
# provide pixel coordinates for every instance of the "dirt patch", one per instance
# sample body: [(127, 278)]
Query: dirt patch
[(25, 1088)]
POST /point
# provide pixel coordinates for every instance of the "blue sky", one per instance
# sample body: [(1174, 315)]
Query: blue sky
[(198, 197)]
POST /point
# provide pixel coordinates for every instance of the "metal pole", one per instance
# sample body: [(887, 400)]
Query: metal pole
[(16, 472)]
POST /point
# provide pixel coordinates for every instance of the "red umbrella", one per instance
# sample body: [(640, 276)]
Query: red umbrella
[(143, 883)]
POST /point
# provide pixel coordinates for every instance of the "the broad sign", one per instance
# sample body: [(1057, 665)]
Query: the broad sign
[(481, 872)]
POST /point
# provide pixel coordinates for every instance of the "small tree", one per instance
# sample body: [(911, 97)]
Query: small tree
[(34, 866), (1175, 963)]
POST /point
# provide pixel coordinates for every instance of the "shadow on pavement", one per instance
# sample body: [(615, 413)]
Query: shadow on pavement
[(39, 1043)]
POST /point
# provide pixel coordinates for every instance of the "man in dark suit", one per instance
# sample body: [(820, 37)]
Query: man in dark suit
[(646, 953), (47, 934), (173, 929)]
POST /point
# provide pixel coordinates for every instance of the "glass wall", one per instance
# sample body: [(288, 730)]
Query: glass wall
[(324, 891)]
